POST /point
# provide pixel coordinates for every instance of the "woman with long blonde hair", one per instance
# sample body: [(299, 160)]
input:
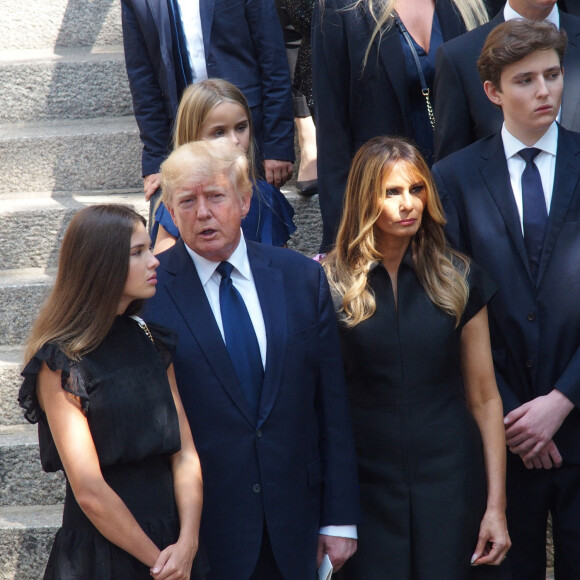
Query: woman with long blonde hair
[(374, 70), (426, 411)]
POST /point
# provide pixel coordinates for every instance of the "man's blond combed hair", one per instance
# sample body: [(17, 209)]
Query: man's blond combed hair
[(202, 161)]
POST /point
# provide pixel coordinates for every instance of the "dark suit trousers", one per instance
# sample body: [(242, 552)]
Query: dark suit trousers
[(531, 494), (266, 568)]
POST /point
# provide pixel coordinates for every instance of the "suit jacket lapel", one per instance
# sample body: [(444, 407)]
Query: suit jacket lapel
[(451, 23), (163, 25), (566, 184), (570, 102), (393, 59), (160, 13), (393, 62), (270, 288), (189, 297), (495, 173), (206, 10)]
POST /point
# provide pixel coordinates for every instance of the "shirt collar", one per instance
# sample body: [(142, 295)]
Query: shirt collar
[(510, 14), (548, 142), (407, 259), (239, 260)]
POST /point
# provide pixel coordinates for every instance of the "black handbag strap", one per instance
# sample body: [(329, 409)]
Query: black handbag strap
[(424, 88)]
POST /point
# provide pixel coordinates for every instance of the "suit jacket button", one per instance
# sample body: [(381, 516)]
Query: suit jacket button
[(529, 363), (531, 316), (258, 433), (256, 488)]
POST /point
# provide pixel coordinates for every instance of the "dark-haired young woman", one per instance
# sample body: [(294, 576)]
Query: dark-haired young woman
[(101, 387)]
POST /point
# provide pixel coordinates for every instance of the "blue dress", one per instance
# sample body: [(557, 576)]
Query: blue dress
[(269, 220)]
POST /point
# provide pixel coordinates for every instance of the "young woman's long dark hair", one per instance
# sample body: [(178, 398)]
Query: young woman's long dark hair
[(92, 271)]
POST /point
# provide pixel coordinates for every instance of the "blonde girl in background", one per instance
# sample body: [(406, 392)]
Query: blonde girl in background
[(216, 109)]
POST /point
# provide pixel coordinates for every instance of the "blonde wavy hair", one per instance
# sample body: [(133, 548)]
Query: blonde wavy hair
[(203, 161), (472, 12), (441, 271)]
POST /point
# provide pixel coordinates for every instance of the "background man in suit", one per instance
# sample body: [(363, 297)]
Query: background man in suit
[(512, 202), (463, 113), (570, 6), (274, 440), (171, 43)]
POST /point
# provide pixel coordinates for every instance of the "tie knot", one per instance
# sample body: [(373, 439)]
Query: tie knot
[(529, 154), (225, 269)]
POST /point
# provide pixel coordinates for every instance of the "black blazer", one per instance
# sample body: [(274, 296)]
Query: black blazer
[(463, 112), (570, 6), (353, 105), (535, 329), (296, 468)]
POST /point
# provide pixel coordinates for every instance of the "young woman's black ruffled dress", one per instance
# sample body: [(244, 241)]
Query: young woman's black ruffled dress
[(126, 396)]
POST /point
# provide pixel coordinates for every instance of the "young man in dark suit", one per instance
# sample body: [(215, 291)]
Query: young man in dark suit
[(512, 203), (264, 391), (463, 113)]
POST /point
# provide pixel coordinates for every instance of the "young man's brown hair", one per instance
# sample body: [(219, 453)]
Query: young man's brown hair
[(512, 41)]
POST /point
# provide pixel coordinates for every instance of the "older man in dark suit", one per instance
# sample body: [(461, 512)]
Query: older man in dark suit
[(512, 202), (259, 369), (463, 113)]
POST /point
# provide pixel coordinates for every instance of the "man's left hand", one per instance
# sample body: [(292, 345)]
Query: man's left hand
[(339, 550), (532, 425), (278, 172)]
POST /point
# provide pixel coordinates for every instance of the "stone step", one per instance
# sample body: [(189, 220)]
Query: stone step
[(68, 83), (23, 290), (26, 537), (70, 156), (308, 235), (32, 228), (10, 379), (21, 477), (21, 294), (48, 23)]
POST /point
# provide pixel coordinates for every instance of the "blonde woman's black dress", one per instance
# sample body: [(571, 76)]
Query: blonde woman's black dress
[(420, 458), (127, 399)]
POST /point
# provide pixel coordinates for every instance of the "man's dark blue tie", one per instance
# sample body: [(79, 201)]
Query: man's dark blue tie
[(535, 215), (241, 340)]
